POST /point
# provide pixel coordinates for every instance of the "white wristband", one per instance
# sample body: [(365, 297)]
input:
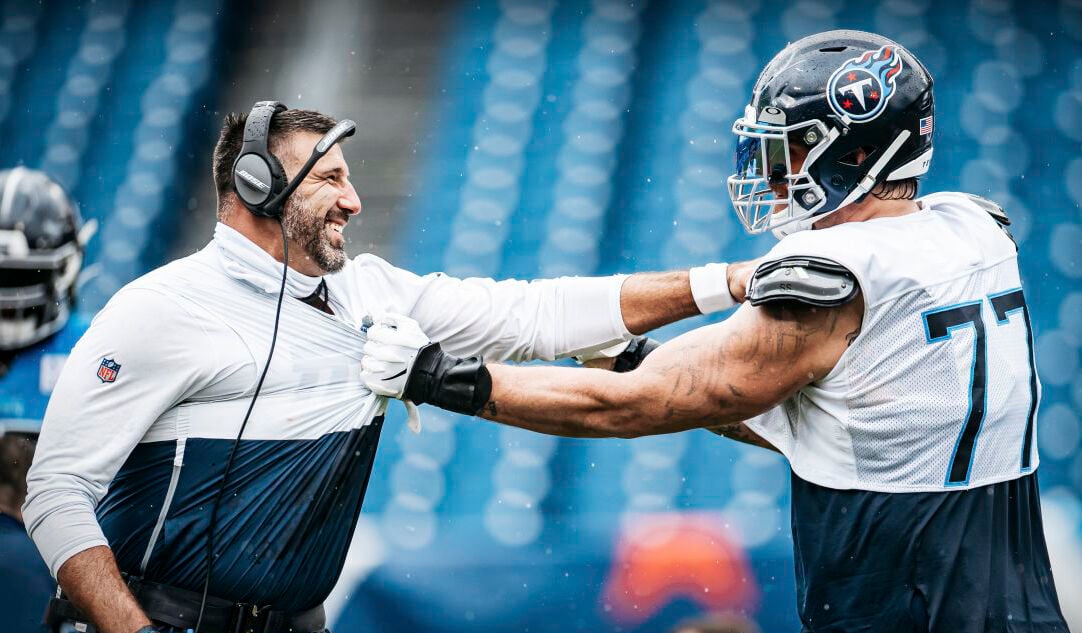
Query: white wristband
[(710, 288)]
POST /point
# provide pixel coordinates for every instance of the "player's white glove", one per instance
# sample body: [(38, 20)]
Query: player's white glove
[(400, 362), (597, 357), (622, 357), (389, 354), (392, 346)]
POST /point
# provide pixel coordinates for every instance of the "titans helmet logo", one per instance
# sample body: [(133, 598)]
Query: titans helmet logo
[(861, 88)]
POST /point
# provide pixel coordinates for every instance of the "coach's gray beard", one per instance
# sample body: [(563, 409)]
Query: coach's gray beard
[(305, 226)]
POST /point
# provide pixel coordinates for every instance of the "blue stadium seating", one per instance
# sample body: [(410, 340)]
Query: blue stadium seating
[(627, 147), (103, 97), (575, 138)]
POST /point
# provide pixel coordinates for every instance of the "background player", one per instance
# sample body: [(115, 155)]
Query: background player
[(886, 352), (41, 255)]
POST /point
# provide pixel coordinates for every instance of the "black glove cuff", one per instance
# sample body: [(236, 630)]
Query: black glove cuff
[(638, 349), (462, 385)]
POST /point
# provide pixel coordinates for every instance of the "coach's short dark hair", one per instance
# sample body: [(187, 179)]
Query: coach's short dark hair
[(282, 125)]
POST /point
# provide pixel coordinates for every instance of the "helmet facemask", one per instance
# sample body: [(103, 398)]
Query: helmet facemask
[(764, 161), (35, 289)]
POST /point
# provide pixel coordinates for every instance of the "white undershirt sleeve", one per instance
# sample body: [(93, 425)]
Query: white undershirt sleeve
[(92, 424), (509, 320)]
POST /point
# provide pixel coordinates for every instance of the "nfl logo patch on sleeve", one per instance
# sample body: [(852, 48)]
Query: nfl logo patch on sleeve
[(108, 370)]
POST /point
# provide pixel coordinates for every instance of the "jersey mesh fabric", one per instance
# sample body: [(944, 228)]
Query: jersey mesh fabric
[(909, 398), (891, 414)]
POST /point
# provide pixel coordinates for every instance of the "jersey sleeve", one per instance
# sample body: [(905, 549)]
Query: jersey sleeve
[(512, 319), (142, 354), (811, 243)]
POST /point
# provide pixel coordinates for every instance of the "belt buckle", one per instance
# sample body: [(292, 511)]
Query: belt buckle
[(241, 617), (252, 618)]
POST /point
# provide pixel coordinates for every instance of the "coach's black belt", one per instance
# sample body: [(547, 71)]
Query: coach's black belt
[(180, 608)]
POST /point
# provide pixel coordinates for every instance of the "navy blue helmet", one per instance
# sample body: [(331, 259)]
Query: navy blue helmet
[(858, 105), (41, 254)]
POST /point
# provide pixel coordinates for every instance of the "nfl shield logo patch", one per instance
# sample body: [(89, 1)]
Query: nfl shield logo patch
[(108, 370)]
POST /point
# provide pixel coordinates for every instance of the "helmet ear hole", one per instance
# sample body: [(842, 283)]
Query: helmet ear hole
[(858, 156)]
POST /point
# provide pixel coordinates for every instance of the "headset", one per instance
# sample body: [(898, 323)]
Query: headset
[(258, 177), (261, 185)]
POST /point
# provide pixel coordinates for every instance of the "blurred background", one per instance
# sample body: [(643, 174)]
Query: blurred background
[(534, 138)]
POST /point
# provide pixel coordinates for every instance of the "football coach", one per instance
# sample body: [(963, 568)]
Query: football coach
[(206, 451)]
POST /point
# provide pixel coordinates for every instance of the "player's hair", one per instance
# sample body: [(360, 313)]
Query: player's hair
[(16, 452), (231, 138), (896, 189)]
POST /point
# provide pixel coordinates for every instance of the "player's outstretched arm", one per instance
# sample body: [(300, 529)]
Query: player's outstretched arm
[(547, 319), (713, 376), (716, 375)]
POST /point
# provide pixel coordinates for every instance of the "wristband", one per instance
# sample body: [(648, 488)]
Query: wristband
[(462, 385), (710, 288)]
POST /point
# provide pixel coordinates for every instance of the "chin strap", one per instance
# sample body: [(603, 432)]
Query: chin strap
[(867, 183)]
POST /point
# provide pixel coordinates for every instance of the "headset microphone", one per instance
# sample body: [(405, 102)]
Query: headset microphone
[(260, 183), (343, 129)]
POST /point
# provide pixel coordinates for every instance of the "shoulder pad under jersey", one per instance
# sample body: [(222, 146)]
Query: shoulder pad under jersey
[(993, 209), (815, 281), (997, 213)]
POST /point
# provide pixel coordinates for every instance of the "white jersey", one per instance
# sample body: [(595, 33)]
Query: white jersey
[(939, 390), (150, 401)]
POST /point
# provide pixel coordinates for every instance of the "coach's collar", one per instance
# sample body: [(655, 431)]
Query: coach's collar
[(243, 259)]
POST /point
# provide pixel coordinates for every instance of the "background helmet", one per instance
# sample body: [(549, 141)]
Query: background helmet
[(41, 254), (835, 93)]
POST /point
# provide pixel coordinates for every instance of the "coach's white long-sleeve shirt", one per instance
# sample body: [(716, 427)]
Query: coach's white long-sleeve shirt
[(150, 400)]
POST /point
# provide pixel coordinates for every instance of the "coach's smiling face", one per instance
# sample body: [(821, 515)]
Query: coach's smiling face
[(316, 214)]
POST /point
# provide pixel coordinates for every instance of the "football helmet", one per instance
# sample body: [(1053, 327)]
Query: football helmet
[(41, 253), (857, 104)]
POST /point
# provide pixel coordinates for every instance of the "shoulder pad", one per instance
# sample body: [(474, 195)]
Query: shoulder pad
[(992, 208), (997, 213), (812, 280)]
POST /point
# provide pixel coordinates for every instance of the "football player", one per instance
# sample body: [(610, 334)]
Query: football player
[(885, 348), (41, 255)]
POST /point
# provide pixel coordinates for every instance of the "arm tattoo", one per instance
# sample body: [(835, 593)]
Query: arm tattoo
[(738, 432)]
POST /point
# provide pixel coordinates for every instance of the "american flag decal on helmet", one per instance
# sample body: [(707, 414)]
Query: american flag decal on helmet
[(925, 126)]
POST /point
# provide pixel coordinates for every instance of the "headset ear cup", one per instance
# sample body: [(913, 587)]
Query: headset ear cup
[(278, 176), (253, 180)]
